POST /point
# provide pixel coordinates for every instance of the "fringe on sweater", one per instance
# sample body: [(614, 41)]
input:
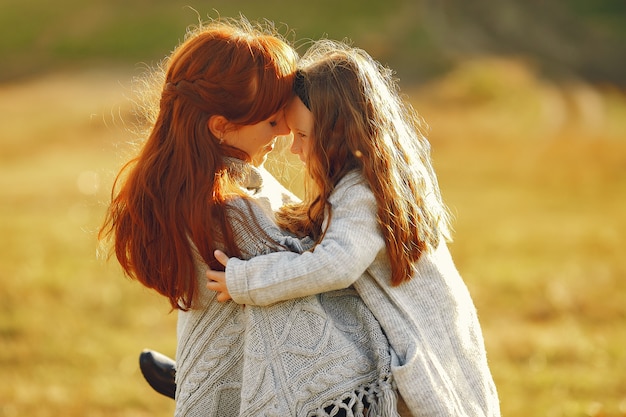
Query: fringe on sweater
[(378, 399)]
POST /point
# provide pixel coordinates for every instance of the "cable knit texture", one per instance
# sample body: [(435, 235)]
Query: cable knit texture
[(439, 360), (320, 355)]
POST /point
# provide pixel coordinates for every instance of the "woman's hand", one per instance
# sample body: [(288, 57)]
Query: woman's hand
[(217, 279)]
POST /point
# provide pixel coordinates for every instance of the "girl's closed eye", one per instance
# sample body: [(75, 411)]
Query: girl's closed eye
[(273, 123)]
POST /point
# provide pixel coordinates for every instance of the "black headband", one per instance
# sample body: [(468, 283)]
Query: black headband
[(301, 89)]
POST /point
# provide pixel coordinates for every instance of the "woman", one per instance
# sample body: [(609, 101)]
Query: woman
[(194, 188)]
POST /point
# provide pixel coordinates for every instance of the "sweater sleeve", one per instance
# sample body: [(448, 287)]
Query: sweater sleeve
[(351, 244)]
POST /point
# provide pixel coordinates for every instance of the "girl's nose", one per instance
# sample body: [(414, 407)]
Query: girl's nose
[(295, 146)]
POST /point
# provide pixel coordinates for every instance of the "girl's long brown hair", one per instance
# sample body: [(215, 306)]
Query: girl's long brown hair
[(361, 122), (171, 196)]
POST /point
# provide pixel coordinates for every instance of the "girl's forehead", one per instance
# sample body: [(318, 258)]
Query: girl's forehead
[(297, 108), (297, 115)]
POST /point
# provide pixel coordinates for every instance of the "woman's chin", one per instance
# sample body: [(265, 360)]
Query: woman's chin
[(260, 159)]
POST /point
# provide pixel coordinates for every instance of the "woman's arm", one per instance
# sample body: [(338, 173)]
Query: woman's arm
[(351, 244)]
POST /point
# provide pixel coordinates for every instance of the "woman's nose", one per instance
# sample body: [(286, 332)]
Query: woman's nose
[(281, 128)]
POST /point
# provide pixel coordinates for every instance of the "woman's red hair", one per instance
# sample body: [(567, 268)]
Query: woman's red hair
[(170, 198)]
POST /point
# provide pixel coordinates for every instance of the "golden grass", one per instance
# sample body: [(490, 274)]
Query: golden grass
[(535, 175)]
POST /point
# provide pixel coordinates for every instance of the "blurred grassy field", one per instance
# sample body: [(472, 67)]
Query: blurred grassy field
[(535, 175)]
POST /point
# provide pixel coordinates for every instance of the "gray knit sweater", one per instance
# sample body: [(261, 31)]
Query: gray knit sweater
[(439, 360), (311, 356)]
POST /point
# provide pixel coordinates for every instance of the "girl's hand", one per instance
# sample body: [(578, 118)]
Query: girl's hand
[(217, 279)]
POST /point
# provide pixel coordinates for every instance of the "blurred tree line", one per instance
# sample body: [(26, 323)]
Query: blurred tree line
[(563, 39), (567, 38)]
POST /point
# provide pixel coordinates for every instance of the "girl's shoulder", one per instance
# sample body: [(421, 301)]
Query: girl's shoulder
[(352, 184), (352, 177)]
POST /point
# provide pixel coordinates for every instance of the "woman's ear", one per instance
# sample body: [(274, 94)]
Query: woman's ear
[(218, 125)]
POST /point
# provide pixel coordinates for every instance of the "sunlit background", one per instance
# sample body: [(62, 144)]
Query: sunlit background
[(527, 114)]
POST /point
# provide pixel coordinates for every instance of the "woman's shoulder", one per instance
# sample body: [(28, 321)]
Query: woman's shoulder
[(256, 231), (243, 208)]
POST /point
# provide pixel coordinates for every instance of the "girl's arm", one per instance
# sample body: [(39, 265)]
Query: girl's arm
[(351, 244)]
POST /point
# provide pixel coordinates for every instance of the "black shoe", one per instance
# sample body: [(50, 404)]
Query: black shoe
[(159, 371)]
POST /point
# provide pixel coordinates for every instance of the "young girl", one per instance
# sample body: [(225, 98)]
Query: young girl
[(374, 209), (193, 188)]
